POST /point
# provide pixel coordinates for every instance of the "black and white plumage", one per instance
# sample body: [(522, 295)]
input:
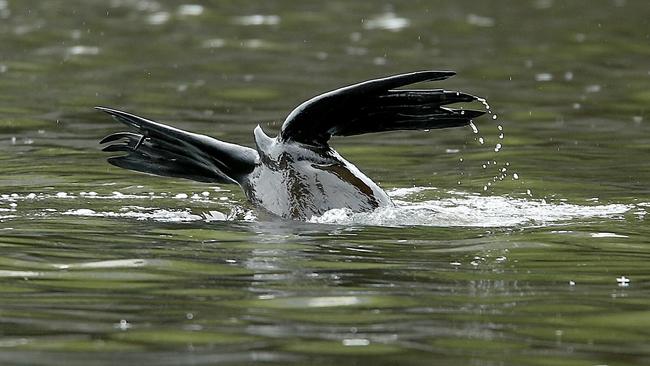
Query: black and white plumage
[(296, 174)]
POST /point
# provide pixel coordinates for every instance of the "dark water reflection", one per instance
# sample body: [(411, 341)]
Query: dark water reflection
[(103, 266)]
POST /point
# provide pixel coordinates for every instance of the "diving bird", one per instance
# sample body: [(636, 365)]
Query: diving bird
[(296, 175)]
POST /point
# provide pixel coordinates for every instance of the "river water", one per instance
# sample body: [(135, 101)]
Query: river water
[(531, 252)]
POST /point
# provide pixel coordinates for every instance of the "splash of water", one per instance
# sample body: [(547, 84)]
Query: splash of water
[(473, 126), (501, 171), (471, 210), (139, 213), (16, 201), (452, 209)]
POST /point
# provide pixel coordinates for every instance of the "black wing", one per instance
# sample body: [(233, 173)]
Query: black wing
[(373, 106), (163, 150)]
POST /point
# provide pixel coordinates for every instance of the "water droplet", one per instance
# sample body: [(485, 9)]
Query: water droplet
[(497, 148), (473, 126), (481, 141), (623, 281), (501, 136), (484, 166), (494, 116), (122, 325), (484, 102), (515, 176)]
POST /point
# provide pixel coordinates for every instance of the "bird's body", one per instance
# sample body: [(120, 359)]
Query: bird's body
[(298, 181), (297, 174)]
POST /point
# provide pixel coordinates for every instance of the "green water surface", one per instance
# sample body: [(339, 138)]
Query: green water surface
[(102, 266)]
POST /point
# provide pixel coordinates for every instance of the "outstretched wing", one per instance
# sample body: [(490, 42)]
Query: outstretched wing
[(373, 106), (163, 150)]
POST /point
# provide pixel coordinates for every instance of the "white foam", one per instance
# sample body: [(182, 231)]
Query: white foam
[(215, 216), (84, 212), (472, 211), (403, 192), (424, 206), (162, 215)]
